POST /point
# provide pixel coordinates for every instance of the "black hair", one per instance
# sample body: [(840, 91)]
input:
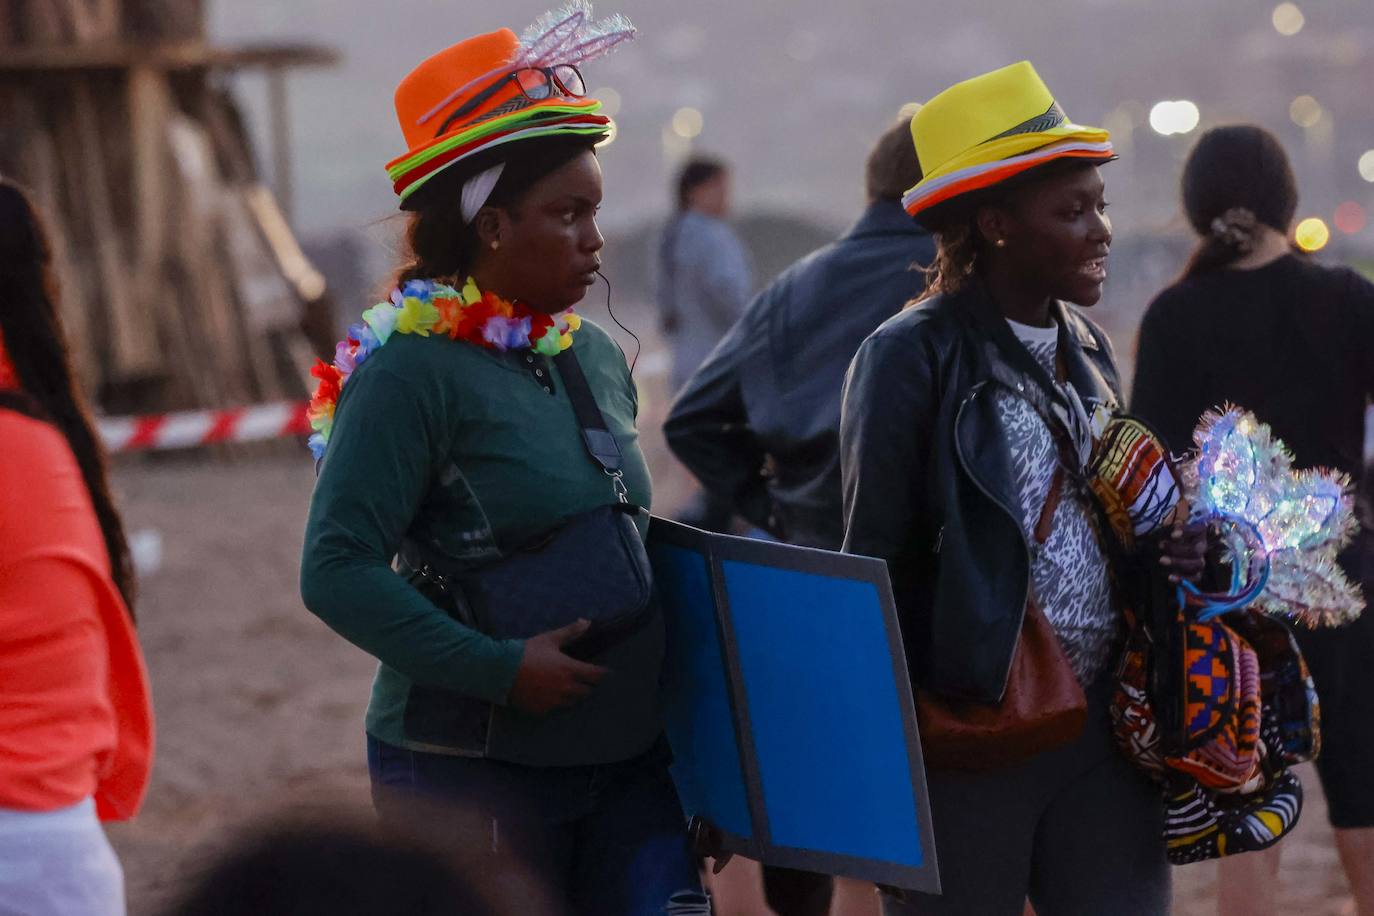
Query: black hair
[(1238, 166), (337, 870), (892, 167), (439, 243), (694, 173), (31, 330)]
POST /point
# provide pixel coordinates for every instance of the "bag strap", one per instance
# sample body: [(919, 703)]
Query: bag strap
[(596, 434), (1044, 525)]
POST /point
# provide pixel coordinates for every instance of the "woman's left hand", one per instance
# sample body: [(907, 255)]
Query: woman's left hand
[(1183, 552)]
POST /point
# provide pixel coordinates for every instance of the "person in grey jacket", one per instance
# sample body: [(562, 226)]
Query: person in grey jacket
[(704, 279), (704, 282)]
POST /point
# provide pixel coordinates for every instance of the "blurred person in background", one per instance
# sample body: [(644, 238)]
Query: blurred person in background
[(966, 421), (704, 282), (1254, 323), (759, 422), (76, 727), (458, 441)]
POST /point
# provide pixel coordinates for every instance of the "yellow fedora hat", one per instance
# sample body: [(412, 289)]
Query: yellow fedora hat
[(984, 130)]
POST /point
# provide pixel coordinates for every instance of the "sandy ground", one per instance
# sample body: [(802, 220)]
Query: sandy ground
[(260, 706)]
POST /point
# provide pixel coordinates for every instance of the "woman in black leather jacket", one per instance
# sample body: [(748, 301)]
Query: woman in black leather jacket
[(966, 420)]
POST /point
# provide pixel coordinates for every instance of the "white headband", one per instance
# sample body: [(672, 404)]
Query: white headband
[(478, 188)]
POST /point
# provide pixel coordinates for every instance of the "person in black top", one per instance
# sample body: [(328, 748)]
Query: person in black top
[(1253, 323), (759, 422)]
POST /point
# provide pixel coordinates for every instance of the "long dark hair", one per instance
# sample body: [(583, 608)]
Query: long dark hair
[(32, 334), (1238, 168), (439, 244)]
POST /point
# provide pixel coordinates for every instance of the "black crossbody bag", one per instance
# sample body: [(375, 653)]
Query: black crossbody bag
[(607, 581)]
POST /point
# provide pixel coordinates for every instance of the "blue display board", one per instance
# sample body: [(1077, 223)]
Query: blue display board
[(789, 706)]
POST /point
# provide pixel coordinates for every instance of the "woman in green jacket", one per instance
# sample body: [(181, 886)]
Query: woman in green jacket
[(444, 421)]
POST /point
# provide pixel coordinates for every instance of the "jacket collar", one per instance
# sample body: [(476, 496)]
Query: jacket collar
[(884, 217), (1076, 341)]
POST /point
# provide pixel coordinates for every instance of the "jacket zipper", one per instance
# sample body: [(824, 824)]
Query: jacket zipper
[(959, 451)]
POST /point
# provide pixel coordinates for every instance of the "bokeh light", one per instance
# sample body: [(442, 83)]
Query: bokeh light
[(1367, 165), (1312, 234), (1288, 19), (610, 101), (1305, 111), (1174, 117), (687, 122), (1350, 217)]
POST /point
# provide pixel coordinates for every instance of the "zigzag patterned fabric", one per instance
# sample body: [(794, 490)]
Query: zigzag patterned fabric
[(1222, 708)]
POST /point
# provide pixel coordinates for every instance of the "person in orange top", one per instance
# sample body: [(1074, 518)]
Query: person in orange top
[(76, 726)]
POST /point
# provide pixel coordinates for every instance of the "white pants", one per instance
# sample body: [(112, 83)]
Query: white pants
[(58, 863)]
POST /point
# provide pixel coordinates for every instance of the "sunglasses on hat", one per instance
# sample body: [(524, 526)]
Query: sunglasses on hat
[(535, 83)]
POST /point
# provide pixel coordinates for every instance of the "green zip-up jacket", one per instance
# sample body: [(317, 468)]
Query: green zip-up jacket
[(472, 451)]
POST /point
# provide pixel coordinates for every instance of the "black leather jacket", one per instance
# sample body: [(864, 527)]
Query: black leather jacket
[(928, 482), (769, 395)]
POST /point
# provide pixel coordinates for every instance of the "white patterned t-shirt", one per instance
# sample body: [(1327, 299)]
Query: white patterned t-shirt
[(1069, 577)]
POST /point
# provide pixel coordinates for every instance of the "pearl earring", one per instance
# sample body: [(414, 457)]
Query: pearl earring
[(1001, 243), (495, 244)]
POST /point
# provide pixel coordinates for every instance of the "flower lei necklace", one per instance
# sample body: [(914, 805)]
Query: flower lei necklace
[(423, 307)]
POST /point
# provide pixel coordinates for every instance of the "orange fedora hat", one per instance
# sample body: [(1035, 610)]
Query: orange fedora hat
[(475, 96)]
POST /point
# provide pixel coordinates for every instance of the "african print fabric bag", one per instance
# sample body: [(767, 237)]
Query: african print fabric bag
[(1214, 723), (1220, 741), (1213, 717), (1285, 686), (1222, 744), (1200, 824)]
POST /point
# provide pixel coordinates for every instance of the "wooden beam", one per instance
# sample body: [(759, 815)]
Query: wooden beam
[(281, 140), (150, 106), (133, 339), (187, 55)]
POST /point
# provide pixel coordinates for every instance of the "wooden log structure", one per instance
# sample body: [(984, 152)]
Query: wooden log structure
[(182, 283)]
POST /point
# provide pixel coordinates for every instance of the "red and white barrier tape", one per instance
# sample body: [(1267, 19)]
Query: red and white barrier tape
[(191, 428)]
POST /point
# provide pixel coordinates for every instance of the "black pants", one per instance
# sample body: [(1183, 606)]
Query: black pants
[(1077, 829), (1342, 664)]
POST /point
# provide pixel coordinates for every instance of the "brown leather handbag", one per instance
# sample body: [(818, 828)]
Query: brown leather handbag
[(1043, 707)]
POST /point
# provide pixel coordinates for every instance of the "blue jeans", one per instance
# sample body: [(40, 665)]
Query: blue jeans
[(607, 840)]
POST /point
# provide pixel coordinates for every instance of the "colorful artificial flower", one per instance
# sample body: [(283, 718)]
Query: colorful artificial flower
[(381, 318), (330, 380), (416, 316), (422, 307)]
